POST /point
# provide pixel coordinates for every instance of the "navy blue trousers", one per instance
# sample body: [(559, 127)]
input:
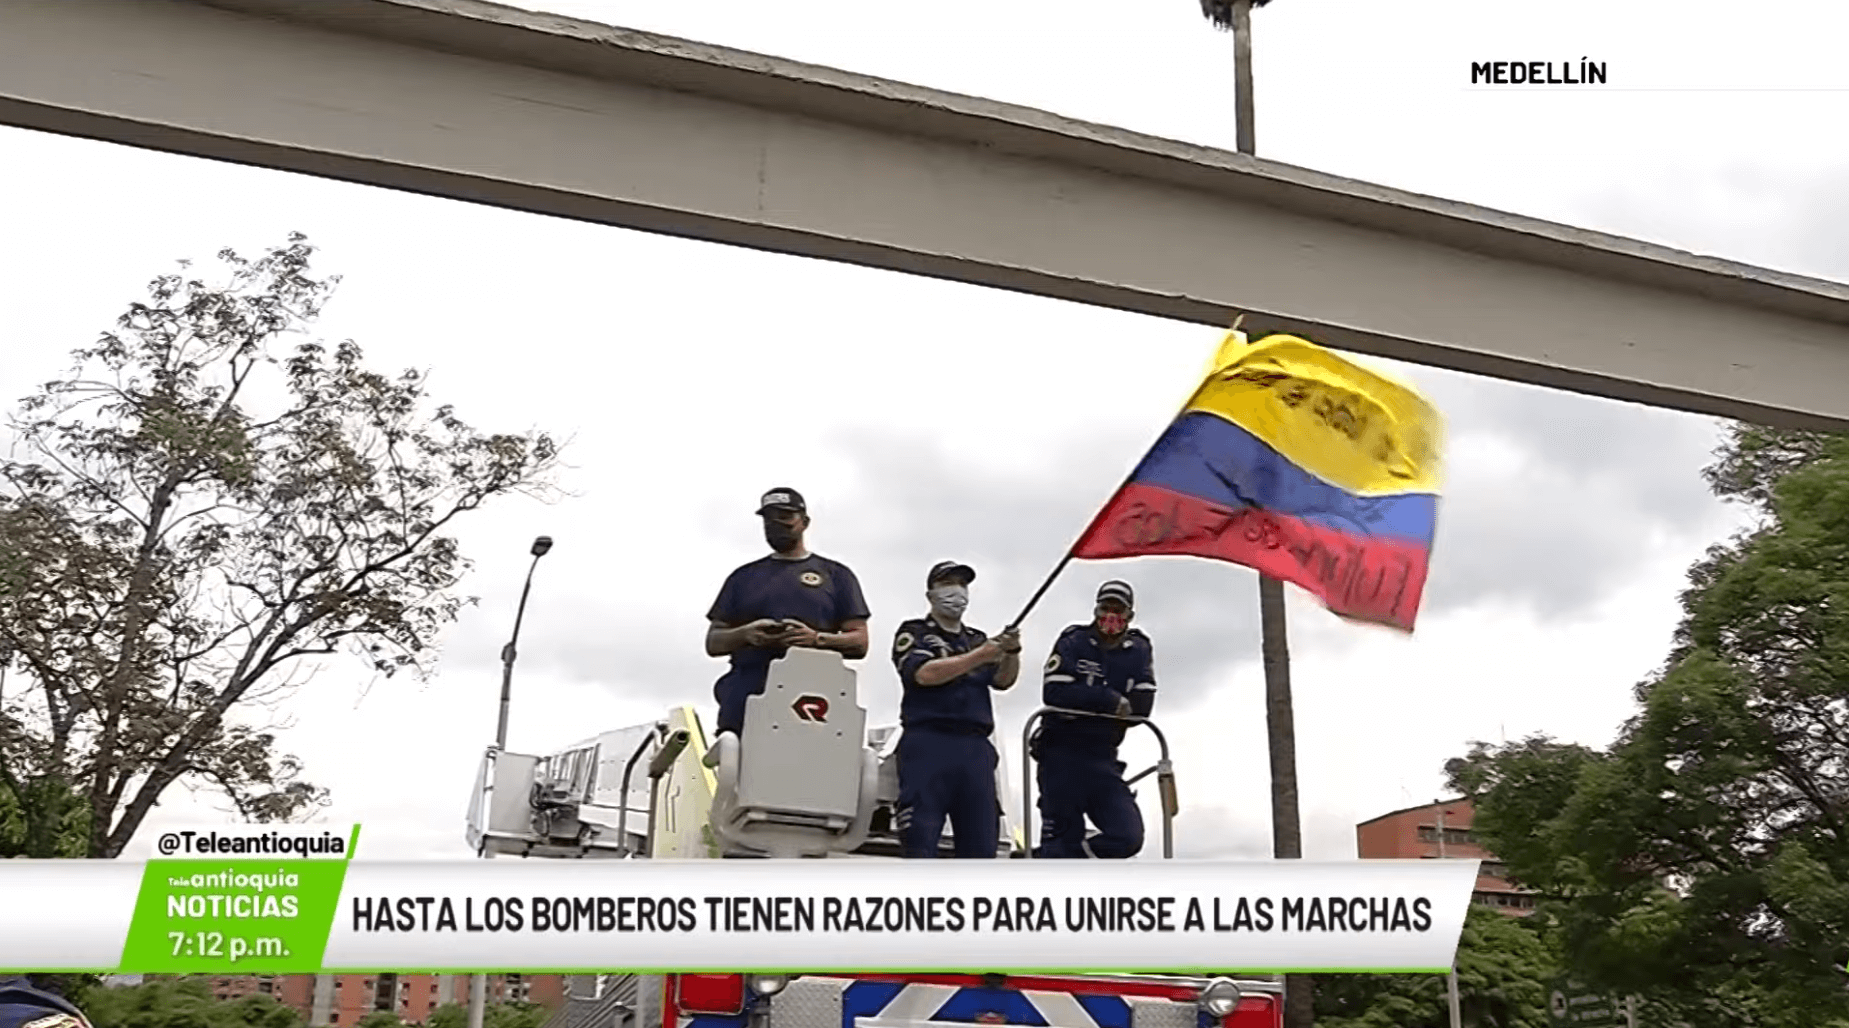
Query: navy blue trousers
[(947, 776), (732, 690), (1075, 786)]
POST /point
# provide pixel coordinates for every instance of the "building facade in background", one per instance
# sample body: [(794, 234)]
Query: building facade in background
[(1415, 833), (341, 1000)]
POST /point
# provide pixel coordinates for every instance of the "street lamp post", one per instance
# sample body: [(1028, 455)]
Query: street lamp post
[(1273, 626), (1457, 1016), (541, 546), (478, 985)]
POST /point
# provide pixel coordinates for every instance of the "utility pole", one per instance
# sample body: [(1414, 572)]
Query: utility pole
[(1457, 1015), (478, 984), (1274, 646)]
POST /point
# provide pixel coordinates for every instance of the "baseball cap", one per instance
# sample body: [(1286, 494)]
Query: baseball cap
[(782, 497), (945, 568), (1117, 590)]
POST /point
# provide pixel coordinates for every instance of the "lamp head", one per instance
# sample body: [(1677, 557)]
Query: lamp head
[(541, 545), (1219, 999)]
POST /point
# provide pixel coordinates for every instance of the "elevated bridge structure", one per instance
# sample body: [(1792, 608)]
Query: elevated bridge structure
[(557, 116)]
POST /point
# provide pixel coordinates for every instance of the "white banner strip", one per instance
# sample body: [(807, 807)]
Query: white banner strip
[(852, 915), (815, 915), (58, 915)]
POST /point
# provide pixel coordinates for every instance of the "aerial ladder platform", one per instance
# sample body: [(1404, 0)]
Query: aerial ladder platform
[(808, 778)]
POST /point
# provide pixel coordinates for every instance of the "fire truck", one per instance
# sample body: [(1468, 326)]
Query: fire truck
[(807, 778)]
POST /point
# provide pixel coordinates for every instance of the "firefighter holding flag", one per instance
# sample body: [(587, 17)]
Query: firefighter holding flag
[(1105, 667), (1289, 459)]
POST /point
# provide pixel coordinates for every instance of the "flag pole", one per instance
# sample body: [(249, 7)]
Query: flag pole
[(1130, 476)]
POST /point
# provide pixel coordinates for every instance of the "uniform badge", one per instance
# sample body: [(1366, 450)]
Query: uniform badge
[(810, 578), (903, 644), (59, 1020), (1052, 663)]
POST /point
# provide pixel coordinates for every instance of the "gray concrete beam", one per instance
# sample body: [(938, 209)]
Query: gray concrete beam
[(563, 117)]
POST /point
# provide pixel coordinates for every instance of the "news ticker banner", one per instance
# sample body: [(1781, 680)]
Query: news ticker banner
[(257, 900)]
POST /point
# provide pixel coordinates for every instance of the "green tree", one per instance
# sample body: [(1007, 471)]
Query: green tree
[(259, 1011), (183, 1003), (1503, 967), (379, 1019), (1702, 861), (514, 1015), (50, 568), (494, 1015), (211, 503)]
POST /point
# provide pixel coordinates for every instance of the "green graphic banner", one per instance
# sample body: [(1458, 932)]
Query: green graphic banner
[(238, 914)]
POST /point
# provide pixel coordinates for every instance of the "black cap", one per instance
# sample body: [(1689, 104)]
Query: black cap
[(946, 568), (1119, 591), (782, 498)]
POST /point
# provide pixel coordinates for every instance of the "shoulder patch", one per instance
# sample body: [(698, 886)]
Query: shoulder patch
[(810, 578), (1052, 663), (903, 644)]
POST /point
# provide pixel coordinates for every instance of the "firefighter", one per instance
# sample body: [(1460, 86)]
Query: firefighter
[(787, 598), (24, 1005), (946, 759), (1106, 667)]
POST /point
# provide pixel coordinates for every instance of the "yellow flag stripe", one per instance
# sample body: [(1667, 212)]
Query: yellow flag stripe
[(1351, 426)]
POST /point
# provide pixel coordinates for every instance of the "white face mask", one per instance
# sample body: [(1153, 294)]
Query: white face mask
[(949, 600)]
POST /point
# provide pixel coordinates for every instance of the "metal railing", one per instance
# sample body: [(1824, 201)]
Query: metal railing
[(1163, 769), (671, 744)]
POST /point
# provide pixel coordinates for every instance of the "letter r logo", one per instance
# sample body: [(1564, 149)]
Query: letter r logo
[(811, 707)]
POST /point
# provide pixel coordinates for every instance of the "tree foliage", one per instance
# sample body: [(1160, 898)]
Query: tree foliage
[(519, 1014), (1701, 862), (1503, 968), (205, 508), (183, 1003), (451, 1015), (1220, 12), (494, 1015), (188, 1002)]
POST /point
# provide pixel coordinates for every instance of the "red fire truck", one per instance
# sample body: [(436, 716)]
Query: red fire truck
[(921, 1001), (806, 778)]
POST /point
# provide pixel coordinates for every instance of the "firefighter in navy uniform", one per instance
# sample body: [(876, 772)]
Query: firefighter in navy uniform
[(24, 1005), (1106, 667), (946, 759), (788, 598)]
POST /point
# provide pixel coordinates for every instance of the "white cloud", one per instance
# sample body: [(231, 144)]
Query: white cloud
[(926, 419)]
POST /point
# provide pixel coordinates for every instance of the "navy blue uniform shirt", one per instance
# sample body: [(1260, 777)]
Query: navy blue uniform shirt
[(1083, 675), (819, 592), (959, 705)]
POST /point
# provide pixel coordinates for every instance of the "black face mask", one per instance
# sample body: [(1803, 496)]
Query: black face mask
[(780, 536)]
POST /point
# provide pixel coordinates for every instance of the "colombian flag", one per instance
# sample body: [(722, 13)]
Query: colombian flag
[(1298, 463)]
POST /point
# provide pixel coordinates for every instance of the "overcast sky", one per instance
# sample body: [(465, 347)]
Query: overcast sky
[(927, 420)]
